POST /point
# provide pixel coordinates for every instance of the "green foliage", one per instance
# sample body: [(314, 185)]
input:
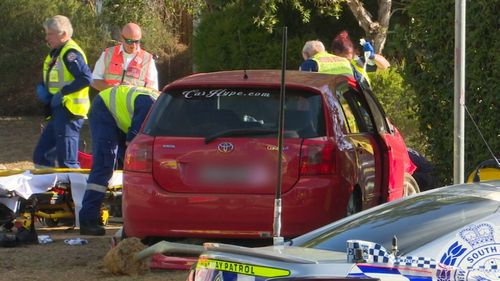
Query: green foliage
[(399, 103), (427, 45), (192, 7), (224, 41), (216, 44), (268, 15)]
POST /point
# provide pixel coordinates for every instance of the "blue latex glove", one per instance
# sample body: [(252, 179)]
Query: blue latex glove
[(367, 47), (42, 94), (56, 100)]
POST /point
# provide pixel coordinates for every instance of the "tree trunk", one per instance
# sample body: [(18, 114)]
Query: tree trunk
[(375, 30)]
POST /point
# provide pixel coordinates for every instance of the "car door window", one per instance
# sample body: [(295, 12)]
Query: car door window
[(377, 112), (349, 116), (355, 111)]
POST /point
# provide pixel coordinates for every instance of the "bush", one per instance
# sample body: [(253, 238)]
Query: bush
[(399, 103), (427, 44), (224, 41)]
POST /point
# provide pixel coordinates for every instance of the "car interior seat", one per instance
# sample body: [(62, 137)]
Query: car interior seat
[(301, 122), (216, 120)]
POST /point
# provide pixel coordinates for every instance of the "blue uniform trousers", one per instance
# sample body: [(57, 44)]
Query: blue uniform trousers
[(59, 140), (108, 146)]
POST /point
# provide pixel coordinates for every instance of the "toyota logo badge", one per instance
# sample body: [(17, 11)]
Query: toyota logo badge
[(225, 147)]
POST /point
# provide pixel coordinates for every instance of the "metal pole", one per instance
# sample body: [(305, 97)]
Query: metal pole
[(459, 97), (278, 240)]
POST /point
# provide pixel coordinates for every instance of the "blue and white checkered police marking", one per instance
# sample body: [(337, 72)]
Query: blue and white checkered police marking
[(420, 262), (376, 253)]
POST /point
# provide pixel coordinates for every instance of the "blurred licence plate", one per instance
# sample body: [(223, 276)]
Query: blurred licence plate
[(224, 174)]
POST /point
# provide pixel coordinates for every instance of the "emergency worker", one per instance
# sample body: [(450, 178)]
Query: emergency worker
[(342, 46), (65, 94), (424, 174), (115, 117), (316, 59), (126, 63)]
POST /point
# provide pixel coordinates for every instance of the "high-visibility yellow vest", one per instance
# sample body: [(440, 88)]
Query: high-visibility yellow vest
[(78, 102), (332, 64), (120, 102), (361, 70)]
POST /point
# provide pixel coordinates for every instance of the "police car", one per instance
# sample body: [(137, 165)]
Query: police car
[(450, 233)]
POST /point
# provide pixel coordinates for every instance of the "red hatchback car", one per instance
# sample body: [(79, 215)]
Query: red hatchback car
[(205, 162)]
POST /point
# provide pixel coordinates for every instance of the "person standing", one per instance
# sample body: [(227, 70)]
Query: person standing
[(316, 59), (65, 94), (342, 46), (115, 117), (126, 63)]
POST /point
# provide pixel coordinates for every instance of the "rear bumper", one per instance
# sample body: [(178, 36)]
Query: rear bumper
[(150, 211)]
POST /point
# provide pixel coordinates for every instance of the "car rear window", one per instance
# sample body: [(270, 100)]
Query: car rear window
[(201, 112)]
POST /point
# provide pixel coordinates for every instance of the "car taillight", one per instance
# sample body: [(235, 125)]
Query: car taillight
[(317, 157), (139, 155)]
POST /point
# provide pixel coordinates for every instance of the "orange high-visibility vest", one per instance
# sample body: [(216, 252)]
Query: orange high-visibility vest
[(136, 72)]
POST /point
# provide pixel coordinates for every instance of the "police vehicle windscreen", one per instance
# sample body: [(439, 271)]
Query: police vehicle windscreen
[(415, 222)]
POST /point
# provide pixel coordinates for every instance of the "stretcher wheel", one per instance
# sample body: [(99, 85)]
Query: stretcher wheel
[(115, 206)]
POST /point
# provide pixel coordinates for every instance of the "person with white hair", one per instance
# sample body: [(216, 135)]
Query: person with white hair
[(64, 91), (317, 59)]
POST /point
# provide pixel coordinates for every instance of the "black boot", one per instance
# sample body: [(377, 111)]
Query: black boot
[(27, 236), (8, 240), (89, 228)]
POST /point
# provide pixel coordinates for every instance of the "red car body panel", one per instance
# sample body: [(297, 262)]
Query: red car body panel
[(253, 161), (177, 192), (155, 212), (399, 164)]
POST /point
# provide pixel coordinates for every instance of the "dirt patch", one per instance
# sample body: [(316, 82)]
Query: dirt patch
[(59, 261), (19, 136)]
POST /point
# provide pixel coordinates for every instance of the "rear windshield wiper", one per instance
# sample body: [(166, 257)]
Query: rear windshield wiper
[(240, 132)]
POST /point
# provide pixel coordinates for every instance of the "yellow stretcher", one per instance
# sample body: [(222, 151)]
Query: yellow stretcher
[(56, 205)]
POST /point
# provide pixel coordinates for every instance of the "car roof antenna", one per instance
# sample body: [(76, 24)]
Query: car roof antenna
[(244, 52), (394, 250), (277, 239)]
